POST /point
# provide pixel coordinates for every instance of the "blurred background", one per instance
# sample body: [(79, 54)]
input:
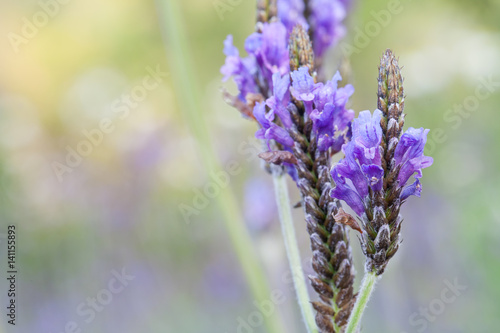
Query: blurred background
[(98, 163)]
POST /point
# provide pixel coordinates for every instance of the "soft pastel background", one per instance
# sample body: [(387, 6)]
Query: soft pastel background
[(120, 207)]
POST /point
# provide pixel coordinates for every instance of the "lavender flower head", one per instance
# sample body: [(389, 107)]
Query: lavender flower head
[(266, 72), (379, 161), (325, 104), (267, 54), (330, 117), (363, 168), (324, 19)]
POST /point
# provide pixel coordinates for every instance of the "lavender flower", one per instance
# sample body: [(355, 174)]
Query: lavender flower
[(362, 164), (330, 118), (303, 85), (409, 154), (280, 99), (291, 13), (269, 130), (325, 105), (326, 23), (303, 124), (272, 54), (379, 160), (267, 54), (242, 70)]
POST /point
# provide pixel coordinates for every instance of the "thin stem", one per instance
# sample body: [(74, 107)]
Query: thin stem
[(367, 287), (186, 85), (292, 250)]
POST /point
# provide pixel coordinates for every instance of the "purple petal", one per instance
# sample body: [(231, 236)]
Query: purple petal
[(229, 48), (280, 86), (281, 111), (410, 145), (414, 165), (343, 94), (367, 135), (241, 69), (326, 20), (231, 67), (292, 171), (345, 193), (325, 142), (409, 154), (280, 135), (259, 112), (261, 133), (350, 169), (281, 98), (274, 48), (291, 13), (325, 93), (323, 120), (253, 43), (374, 175), (413, 189), (302, 85)]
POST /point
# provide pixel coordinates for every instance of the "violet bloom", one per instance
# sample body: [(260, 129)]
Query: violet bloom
[(330, 118), (280, 99), (326, 21), (303, 87), (361, 169), (269, 130), (409, 154), (325, 93), (241, 69), (291, 13), (267, 54), (270, 49), (326, 106)]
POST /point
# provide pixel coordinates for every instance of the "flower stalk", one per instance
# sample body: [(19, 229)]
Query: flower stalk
[(367, 287), (291, 245)]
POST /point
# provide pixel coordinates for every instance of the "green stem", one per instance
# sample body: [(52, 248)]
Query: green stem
[(292, 249), (187, 90), (367, 287)]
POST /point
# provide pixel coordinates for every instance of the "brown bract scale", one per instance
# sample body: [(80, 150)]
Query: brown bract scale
[(347, 219), (245, 109), (278, 157), (253, 98)]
